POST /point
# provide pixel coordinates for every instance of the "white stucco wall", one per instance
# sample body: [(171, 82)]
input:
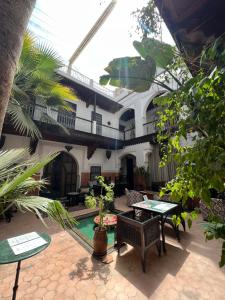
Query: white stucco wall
[(79, 153), (15, 141), (138, 150), (139, 102)]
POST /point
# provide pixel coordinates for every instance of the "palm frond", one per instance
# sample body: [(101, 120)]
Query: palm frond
[(28, 54), (15, 190), (52, 208), (19, 94), (22, 121), (57, 213), (10, 186), (61, 91), (45, 51), (28, 186), (36, 78), (9, 160)]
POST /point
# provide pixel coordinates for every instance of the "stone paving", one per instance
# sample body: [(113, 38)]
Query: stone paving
[(66, 271)]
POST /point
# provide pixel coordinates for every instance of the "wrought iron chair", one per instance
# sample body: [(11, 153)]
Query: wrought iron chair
[(138, 231)]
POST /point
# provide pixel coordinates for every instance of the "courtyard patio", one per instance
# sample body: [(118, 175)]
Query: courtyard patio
[(66, 270)]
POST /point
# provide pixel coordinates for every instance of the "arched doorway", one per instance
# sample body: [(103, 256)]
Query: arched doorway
[(152, 115), (62, 174), (127, 124), (128, 165)]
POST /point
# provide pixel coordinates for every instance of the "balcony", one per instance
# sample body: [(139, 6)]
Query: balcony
[(129, 134), (71, 121), (79, 77), (150, 127)]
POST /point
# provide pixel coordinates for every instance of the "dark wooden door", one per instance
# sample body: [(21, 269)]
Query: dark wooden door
[(61, 175), (130, 172), (70, 173)]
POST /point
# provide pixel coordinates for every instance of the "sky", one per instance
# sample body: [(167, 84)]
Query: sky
[(64, 24)]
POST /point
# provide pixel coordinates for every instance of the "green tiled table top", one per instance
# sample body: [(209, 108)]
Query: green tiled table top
[(7, 256), (155, 206)]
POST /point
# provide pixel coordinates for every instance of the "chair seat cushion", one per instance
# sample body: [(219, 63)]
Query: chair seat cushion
[(84, 190)]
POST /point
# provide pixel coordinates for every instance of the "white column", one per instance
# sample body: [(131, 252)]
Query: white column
[(138, 120), (94, 127)]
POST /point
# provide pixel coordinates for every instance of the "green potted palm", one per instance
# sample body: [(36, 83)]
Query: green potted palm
[(100, 241)]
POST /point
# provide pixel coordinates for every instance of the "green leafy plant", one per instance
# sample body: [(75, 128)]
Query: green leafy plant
[(17, 186), (216, 230), (139, 73), (36, 80), (195, 137), (106, 196), (149, 20), (132, 73), (191, 119)]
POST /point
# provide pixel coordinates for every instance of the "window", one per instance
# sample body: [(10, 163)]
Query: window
[(95, 171)]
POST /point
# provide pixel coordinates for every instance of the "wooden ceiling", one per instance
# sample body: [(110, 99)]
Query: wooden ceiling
[(193, 23)]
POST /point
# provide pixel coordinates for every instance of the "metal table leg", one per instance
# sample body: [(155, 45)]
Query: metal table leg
[(16, 280), (163, 234)]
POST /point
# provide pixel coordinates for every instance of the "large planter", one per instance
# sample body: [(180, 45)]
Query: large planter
[(100, 242), (139, 182)]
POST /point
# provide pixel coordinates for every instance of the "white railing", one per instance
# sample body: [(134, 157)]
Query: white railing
[(65, 120), (38, 112), (77, 75), (84, 79), (111, 132), (103, 89)]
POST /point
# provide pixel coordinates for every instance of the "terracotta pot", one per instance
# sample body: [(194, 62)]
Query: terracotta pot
[(140, 182), (100, 241)]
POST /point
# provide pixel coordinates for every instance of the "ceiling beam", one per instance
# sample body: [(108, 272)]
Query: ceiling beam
[(92, 32)]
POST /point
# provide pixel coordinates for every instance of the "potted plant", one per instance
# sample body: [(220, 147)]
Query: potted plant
[(142, 177), (100, 241)]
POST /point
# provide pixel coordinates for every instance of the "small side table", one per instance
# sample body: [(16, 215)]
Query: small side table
[(73, 198), (7, 256)]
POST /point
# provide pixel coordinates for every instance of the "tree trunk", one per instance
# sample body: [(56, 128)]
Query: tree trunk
[(14, 17)]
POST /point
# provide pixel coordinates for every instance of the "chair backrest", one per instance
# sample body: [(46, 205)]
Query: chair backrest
[(135, 233), (133, 197)]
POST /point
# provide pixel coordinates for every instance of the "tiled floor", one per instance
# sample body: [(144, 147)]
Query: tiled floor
[(67, 271)]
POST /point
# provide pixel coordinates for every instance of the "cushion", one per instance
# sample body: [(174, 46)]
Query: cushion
[(84, 189), (120, 203), (166, 197), (133, 197), (218, 208)]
